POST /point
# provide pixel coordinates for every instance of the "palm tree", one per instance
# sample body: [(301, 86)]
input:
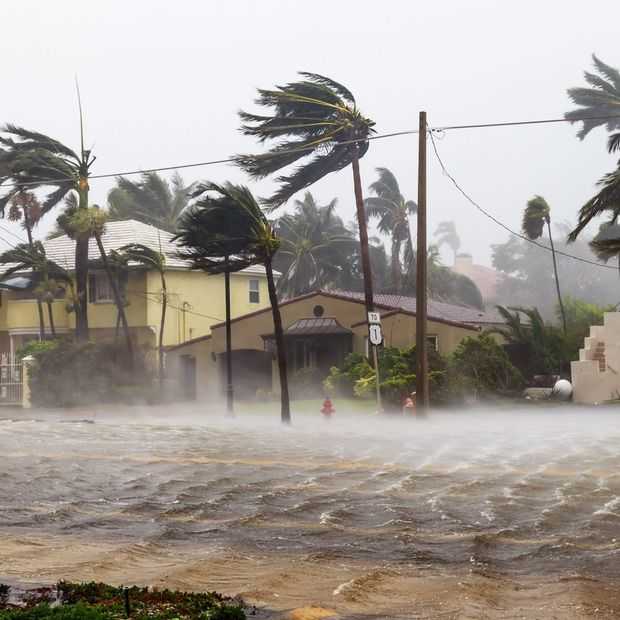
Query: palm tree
[(51, 276), (156, 261), (36, 161), (538, 213), (83, 224), (606, 243), (26, 206), (446, 231), (226, 230), (315, 117), (392, 211), (152, 200), (600, 101), (315, 247)]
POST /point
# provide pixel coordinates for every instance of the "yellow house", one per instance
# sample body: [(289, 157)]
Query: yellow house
[(320, 329), (195, 300)]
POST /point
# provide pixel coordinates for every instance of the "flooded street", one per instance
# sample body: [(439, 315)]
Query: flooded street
[(478, 514)]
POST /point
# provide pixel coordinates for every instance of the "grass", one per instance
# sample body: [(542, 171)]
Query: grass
[(311, 406), (100, 601)]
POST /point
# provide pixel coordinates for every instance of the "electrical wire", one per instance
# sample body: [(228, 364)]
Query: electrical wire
[(500, 223), (228, 160)]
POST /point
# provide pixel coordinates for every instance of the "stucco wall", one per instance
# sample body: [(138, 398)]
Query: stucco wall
[(207, 372), (202, 296)]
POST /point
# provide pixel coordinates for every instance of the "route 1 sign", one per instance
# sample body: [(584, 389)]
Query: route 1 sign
[(375, 336), (374, 318)]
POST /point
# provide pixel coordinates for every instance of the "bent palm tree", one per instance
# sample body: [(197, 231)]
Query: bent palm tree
[(315, 117), (446, 231), (150, 259), (26, 206), (82, 224), (538, 213), (598, 102), (315, 247), (226, 230), (32, 257), (392, 211), (34, 160), (152, 200)]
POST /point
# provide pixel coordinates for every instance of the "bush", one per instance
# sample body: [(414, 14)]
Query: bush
[(71, 374), (341, 381), (480, 367), (35, 347), (306, 383)]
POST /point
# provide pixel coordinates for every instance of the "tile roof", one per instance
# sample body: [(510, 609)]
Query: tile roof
[(117, 234), (315, 326), (436, 309)]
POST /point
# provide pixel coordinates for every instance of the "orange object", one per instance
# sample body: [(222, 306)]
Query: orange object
[(409, 406), (327, 409)]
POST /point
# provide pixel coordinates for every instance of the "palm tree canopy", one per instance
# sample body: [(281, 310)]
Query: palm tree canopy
[(152, 200), (606, 244), (446, 231), (601, 99), (389, 206), (537, 213), (143, 255), (34, 160), (314, 114), (315, 247), (226, 221), (24, 257), (607, 199)]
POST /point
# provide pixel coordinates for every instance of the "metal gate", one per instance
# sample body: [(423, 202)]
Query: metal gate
[(11, 379)]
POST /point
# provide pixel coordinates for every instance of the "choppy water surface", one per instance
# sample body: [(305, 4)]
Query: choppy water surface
[(517, 493)]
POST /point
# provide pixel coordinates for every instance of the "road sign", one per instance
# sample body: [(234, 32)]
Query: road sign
[(375, 335), (374, 318)]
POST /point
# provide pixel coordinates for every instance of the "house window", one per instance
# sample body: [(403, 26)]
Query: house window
[(99, 288), (254, 291)]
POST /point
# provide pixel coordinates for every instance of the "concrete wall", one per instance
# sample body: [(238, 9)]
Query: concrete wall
[(596, 375)]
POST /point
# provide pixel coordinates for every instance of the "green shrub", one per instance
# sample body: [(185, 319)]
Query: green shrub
[(341, 381), (480, 366), (34, 347), (306, 383), (72, 374)]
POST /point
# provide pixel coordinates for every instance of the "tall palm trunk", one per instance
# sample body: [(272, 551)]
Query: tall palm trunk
[(50, 314), (28, 226), (164, 304), (285, 405), (81, 271), (395, 265), (363, 230), (557, 279), (229, 378), (117, 298)]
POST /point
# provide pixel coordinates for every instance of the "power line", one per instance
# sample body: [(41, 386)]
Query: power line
[(228, 160), (500, 223)]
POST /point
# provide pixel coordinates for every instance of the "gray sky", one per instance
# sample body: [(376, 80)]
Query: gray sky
[(161, 84)]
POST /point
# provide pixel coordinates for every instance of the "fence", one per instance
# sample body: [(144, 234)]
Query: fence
[(11, 380)]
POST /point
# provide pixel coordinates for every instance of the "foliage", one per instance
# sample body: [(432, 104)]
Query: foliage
[(315, 118), (72, 374), (392, 211), (35, 347), (481, 367), (152, 200), (600, 101), (536, 215), (305, 383), (315, 249), (528, 274), (397, 372), (543, 346), (446, 231), (100, 601)]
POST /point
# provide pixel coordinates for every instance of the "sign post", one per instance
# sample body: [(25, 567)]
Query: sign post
[(375, 338)]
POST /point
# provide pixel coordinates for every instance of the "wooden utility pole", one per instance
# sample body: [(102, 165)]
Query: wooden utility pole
[(229, 380), (421, 283)]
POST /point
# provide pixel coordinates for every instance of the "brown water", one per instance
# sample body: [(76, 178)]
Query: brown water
[(477, 514)]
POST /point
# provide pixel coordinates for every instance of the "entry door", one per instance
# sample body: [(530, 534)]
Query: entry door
[(188, 376)]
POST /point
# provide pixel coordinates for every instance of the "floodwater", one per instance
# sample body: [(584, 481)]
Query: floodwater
[(473, 514)]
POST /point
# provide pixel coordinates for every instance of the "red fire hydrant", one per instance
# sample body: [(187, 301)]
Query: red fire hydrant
[(409, 405), (327, 409)]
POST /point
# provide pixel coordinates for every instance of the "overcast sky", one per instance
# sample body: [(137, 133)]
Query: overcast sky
[(162, 82)]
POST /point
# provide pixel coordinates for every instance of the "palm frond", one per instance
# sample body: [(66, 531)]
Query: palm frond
[(535, 216)]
